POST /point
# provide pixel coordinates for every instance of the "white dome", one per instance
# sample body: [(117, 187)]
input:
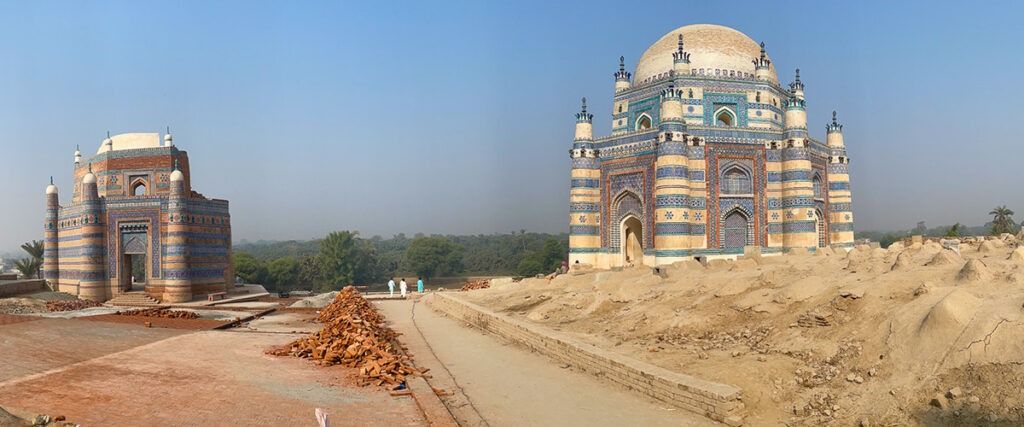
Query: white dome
[(711, 47), (89, 178), (51, 189), (130, 141), (177, 176)]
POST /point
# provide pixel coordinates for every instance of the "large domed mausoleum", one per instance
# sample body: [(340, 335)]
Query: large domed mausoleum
[(708, 156), (134, 224)]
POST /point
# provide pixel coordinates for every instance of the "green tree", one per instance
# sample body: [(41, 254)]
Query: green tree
[(553, 254), (529, 267), (309, 276), (29, 267), (433, 256), (1002, 220), (338, 258), (283, 273), (954, 231), (248, 268)]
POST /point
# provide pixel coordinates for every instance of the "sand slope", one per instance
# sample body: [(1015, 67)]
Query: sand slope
[(871, 335)]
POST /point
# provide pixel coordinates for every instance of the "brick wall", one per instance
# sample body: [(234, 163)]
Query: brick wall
[(12, 288), (719, 402)]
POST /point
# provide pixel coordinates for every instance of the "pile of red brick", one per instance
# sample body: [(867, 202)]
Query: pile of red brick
[(354, 335), (160, 312), (483, 284), (71, 305)]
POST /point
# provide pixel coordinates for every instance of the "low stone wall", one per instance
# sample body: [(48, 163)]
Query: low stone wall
[(719, 402), (15, 287)]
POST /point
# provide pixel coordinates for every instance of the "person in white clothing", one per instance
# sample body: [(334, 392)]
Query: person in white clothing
[(391, 287), (404, 287)]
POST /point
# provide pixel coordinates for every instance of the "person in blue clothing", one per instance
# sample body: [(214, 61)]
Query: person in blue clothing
[(419, 285), (391, 287)]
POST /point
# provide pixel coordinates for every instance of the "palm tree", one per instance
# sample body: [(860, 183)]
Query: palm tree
[(1002, 220), (28, 267), (35, 250)]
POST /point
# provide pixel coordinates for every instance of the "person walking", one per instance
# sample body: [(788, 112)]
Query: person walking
[(391, 287), (419, 285), (404, 287)]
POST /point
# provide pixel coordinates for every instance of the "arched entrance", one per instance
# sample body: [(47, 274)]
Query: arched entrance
[(134, 251), (735, 228), (632, 240)]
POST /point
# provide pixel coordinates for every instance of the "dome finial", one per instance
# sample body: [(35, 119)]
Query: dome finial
[(90, 167), (834, 117), (622, 64), (51, 179), (680, 42), (798, 75), (175, 164)]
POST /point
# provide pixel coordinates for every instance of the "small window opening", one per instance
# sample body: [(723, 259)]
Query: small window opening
[(644, 123), (724, 119)]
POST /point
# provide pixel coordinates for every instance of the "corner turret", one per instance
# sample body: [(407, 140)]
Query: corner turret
[(584, 192), (50, 238), (835, 133), (762, 66), (622, 76), (795, 130), (681, 59), (797, 87), (584, 124), (672, 125)]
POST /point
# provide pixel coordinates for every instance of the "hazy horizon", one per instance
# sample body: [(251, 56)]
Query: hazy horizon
[(456, 118)]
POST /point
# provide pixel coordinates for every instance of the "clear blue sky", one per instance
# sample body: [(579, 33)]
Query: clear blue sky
[(445, 117)]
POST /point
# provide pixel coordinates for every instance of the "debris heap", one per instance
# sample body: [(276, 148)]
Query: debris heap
[(160, 312), (354, 335), (483, 284), (72, 305)]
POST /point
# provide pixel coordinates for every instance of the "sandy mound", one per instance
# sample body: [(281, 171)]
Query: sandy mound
[(1017, 255), (804, 335), (975, 271), (316, 301), (945, 257), (902, 262), (987, 247)]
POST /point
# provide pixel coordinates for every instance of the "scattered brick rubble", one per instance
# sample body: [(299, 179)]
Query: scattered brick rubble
[(71, 305), (160, 312), (354, 335), (483, 284)]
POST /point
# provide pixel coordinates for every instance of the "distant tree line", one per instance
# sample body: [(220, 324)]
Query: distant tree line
[(344, 258), (1002, 222)]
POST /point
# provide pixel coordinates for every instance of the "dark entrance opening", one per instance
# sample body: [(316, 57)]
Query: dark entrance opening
[(134, 272)]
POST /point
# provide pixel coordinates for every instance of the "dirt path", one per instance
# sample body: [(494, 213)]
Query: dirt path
[(504, 385)]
